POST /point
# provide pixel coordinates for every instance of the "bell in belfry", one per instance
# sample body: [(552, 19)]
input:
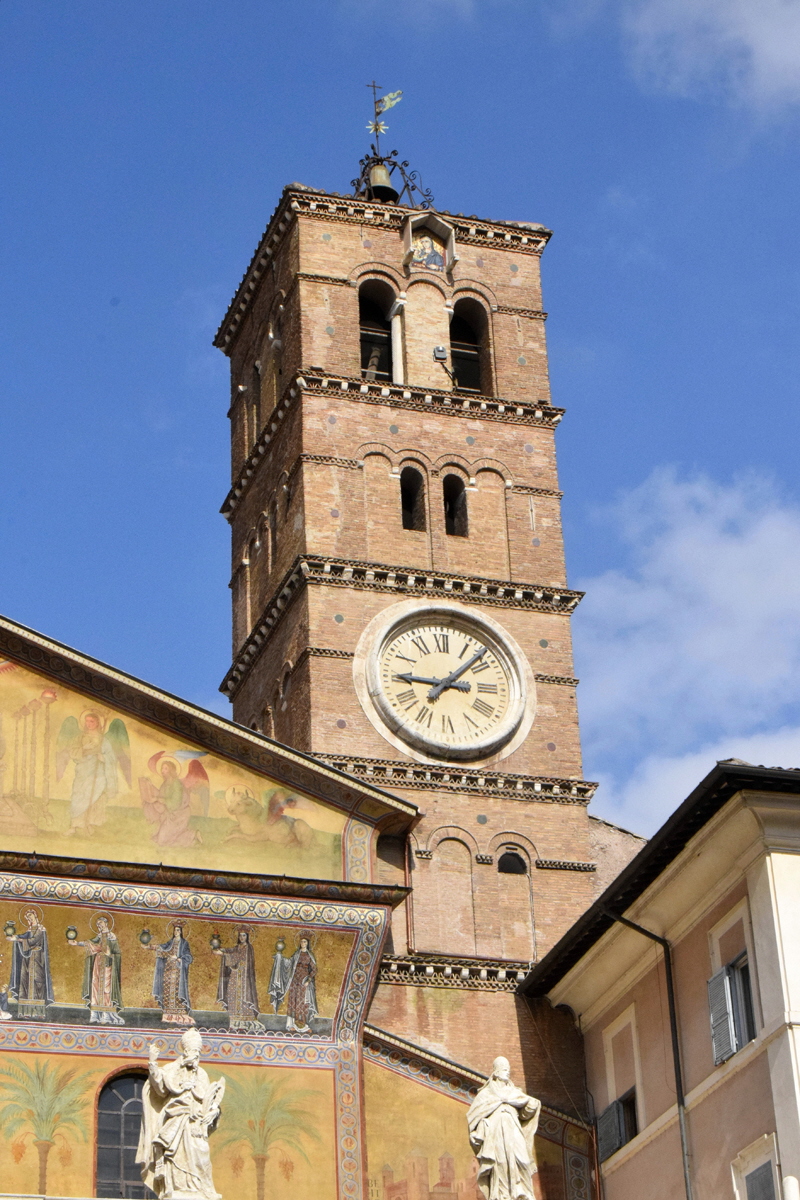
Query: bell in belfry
[(380, 184)]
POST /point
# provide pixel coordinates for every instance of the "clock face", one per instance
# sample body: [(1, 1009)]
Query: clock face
[(447, 684)]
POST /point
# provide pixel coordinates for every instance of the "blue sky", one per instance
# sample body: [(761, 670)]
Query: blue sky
[(143, 150)]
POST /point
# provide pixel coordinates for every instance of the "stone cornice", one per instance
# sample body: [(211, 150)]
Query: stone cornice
[(155, 875), (314, 382), (312, 569), (535, 314), (250, 749), (467, 781), (521, 237), (444, 971)]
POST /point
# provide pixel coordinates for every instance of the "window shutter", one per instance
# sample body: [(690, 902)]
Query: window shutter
[(610, 1130), (723, 1036), (760, 1183)]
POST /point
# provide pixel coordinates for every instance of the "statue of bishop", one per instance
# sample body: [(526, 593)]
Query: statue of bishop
[(502, 1121), (181, 1106)]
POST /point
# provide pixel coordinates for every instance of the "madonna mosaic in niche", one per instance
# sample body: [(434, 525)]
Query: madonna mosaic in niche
[(428, 250)]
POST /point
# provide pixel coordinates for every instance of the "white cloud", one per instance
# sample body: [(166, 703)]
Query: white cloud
[(748, 49), (692, 651)]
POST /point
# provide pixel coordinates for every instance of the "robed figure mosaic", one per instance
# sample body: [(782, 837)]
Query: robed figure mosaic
[(502, 1121), (102, 974), (237, 990), (180, 1108), (31, 983), (171, 977)]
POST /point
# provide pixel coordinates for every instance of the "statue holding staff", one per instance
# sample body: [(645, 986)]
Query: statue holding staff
[(180, 1108), (502, 1121)]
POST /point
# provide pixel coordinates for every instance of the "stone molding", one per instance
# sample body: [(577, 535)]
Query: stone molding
[(437, 1072), (524, 489), (474, 782), (434, 970), (520, 237), (563, 864), (485, 859), (565, 680), (530, 313), (315, 382), (405, 581), (323, 460), (49, 865)]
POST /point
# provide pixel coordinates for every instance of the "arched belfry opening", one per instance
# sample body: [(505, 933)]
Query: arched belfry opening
[(375, 300), (412, 499), (454, 495), (469, 348)]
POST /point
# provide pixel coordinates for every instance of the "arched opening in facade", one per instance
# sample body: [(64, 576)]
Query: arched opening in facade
[(375, 300), (511, 862), (454, 494), (412, 498), (119, 1120), (469, 352)]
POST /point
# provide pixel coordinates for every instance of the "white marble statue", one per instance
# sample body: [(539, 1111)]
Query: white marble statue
[(502, 1121), (181, 1107)]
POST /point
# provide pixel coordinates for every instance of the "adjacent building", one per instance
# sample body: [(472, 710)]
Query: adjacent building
[(698, 1095)]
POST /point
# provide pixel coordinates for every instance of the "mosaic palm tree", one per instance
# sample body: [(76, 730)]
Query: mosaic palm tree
[(269, 1118), (44, 1101)]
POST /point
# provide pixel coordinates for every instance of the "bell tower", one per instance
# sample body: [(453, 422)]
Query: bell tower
[(400, 603)]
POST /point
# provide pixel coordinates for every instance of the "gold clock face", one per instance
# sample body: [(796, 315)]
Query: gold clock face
[(447, 685)]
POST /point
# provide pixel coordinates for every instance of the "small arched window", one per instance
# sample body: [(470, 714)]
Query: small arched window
[(512, 863), (374, 302), (455, 506), (119, 1120), (412, 498)]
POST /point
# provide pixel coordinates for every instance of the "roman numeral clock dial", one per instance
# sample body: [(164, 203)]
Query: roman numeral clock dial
[(448, 685)]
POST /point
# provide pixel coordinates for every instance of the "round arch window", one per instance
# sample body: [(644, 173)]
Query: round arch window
[(511, 862)]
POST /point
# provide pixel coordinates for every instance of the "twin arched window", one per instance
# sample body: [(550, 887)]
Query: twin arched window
[(454, 498), (469, 353)]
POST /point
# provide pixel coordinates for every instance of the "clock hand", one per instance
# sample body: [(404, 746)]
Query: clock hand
[(407, 677), (450, 680)]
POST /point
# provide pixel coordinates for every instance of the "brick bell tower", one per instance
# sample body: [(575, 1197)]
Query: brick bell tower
[(400, 606)]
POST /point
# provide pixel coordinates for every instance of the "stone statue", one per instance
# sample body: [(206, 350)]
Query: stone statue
[(181, 1107), (502, 1121)]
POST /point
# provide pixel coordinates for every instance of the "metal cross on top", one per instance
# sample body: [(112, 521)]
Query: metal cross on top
[(380, 105)]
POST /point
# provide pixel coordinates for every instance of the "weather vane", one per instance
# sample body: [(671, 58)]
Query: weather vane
[(381, 104), (375, 181)]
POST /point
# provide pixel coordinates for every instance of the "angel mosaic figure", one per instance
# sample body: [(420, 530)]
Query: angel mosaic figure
[(237, 990), (183, 787), (31, 983), (98, 753), (102, 973), (171, 977)]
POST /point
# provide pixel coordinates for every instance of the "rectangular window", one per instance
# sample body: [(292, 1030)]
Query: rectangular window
[(730, 1003), (755, 1170), (760, 1184), (617, 1125)]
